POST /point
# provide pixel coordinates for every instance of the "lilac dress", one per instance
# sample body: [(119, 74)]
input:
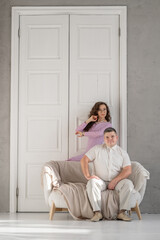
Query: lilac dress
[(95, 136)]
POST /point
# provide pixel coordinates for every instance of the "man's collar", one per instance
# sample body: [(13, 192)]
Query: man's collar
[(109, 148)]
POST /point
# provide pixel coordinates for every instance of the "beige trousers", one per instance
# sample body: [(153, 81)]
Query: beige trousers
[(95, 186)]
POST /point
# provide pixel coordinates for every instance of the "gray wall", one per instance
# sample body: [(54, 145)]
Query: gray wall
[(143, 88)]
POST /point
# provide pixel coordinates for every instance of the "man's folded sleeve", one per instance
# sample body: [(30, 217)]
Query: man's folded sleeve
[(91, 154), (126, 159)]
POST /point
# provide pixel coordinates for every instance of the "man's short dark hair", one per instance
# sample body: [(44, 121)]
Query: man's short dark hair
[(110, 129)]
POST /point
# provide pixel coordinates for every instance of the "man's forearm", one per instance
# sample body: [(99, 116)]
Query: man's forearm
[(123, 174), (84, 166)]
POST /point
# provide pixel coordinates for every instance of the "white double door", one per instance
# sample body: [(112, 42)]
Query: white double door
[(66, 64)]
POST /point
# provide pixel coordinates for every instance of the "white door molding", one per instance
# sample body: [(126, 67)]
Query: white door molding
[(16, 13)]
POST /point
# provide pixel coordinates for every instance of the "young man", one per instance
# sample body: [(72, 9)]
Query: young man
[(112, 166)]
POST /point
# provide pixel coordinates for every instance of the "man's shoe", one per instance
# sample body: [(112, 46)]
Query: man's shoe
[(97, 217), (123, 216)]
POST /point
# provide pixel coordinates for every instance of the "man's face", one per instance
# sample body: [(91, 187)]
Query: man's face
[(110, 139)]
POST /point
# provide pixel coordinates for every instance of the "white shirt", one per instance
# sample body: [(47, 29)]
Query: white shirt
[(108, 162)]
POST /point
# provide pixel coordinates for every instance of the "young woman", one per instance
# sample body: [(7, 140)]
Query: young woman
[(93, 128)]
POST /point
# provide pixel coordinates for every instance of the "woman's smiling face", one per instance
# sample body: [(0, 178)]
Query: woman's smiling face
[(102, 112)]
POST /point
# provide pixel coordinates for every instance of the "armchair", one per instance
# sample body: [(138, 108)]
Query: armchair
[(58, 173)]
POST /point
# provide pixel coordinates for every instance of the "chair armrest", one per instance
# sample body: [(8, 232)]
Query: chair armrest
[(51, 169), (139, 175), (47, 186), (50, 179)]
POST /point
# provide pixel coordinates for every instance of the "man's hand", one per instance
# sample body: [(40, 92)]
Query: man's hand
[(112, 184), (93, 176), (126, 171)]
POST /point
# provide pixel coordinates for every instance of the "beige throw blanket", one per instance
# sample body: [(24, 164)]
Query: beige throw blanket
[(67, 177)]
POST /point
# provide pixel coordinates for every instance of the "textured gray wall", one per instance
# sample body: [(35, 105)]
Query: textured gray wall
[(143, 88)]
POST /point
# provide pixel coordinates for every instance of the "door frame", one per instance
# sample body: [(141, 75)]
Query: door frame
[(121, 11)]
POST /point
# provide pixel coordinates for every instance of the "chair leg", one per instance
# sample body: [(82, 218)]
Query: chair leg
[(65, 209), (52, 211), (130, 212), (137, 210), (58, 210), (61, 209)]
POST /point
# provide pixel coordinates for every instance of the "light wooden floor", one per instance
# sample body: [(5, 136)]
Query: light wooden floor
[(37, 226)]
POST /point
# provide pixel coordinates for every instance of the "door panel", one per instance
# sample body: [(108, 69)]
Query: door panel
[(94, 71), (43, 103)]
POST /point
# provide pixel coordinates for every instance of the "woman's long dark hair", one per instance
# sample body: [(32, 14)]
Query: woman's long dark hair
[(94, 111)]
